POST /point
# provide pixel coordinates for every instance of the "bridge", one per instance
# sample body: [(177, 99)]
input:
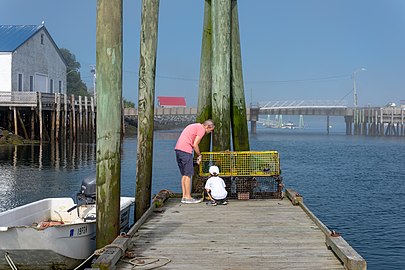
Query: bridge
[(359, 120), (377, 121)]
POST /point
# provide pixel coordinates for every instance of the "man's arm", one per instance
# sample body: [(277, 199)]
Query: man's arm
[(195, 145), (196, 148)]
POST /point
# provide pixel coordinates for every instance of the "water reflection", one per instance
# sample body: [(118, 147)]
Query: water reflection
[(32, 172), (168, 135)]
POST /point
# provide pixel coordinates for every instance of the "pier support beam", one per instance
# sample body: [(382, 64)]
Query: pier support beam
[(254, 117), (146, 94), (109, 96), (348, 121)]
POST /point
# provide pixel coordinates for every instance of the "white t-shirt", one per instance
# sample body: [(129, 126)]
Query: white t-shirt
[(217, 187)]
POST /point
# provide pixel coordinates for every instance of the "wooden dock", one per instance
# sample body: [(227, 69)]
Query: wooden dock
[(48, 116), (245, 234)]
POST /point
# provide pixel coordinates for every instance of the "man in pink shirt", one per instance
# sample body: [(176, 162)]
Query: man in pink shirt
[(188, 141)]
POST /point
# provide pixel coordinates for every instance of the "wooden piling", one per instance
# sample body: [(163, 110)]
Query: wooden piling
[(240, 133), (57, 124), (86, 119), (146, 96), (221, 51), (93, 118), (109, 97), (80, 122), (22, 125), (15, 121), (53, 120), (65, 116), (73, 118), (40, 116), (204, 109), (32, 114)]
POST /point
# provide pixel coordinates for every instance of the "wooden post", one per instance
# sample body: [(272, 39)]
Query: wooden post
[(86, 118), (32, 113), (80, 124), (93, 116), (22, 125), (73, 118), (57, 117), (204, 108), (53, 124), (65, 100), (146, 100), (109, 97), (15, 121), (40, 115), (221, 74), (240, 133)]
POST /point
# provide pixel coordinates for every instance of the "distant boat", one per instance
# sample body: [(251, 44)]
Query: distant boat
[(289, 125), (53, 233)]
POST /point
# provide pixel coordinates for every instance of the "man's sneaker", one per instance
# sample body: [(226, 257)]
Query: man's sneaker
[(212, 203), (191, 200), (224, 203)]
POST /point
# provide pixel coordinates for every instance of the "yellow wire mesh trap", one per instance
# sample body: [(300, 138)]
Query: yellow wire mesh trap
[(241, 163)]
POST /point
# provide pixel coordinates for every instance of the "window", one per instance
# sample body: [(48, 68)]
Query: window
[(42, 39), (31, 83), (20, 82), (51, 86), (60, 87)]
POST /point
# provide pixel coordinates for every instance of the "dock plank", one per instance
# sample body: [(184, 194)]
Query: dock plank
[(252, 234)]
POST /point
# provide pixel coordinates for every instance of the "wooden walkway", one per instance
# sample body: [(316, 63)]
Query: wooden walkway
[(253, 234)]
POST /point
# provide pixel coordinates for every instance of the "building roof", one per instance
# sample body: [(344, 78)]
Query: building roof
[(13, 36), (172, 101)]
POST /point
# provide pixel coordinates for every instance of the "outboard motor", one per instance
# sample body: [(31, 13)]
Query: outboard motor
[(87, 191), (87, 194)]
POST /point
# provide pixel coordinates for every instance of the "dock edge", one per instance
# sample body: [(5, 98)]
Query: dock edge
[(346, 254)]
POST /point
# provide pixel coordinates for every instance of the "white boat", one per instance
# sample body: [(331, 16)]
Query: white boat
[(53, 233), (289, 125)]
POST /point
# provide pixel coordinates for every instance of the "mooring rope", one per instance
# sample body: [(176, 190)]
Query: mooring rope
[(85, 261), (10, 261), (139, 262)]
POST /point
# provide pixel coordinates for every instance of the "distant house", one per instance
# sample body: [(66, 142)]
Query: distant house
[(170, 102), (30, 61)]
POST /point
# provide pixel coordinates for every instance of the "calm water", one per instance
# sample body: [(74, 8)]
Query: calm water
[(355, 185)]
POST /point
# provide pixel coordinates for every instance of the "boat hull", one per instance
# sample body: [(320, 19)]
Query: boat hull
[(43, 245)]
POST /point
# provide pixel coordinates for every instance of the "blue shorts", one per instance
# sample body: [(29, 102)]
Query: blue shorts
[(185, 163)]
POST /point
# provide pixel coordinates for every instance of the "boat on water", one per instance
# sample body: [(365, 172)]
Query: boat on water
[(289, 125), (53, 233)]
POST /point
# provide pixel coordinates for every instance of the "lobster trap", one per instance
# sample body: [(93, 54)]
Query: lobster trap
[(247, 174)]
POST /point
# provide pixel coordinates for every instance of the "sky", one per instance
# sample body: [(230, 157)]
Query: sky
[(291, 49)]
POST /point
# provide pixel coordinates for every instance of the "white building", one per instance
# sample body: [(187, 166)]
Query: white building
[(30, 61)]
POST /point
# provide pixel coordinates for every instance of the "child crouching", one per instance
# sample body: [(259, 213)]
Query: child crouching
[(215, 187)]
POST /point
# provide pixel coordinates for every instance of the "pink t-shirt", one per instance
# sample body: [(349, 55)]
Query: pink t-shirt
[(187, 137)]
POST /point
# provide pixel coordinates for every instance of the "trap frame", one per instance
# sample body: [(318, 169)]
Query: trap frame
[(247, 174)]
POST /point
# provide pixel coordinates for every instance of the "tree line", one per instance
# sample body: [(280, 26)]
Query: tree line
[(74, 83)]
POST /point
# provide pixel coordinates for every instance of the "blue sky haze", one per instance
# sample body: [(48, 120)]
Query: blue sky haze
[(291, 49)]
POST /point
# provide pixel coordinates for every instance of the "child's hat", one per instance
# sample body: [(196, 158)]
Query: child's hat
[(214, 170)]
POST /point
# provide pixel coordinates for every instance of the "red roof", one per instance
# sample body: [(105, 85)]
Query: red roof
[(171, 101)]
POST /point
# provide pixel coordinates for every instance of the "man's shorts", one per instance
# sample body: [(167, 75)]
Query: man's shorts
[(185, 163)]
